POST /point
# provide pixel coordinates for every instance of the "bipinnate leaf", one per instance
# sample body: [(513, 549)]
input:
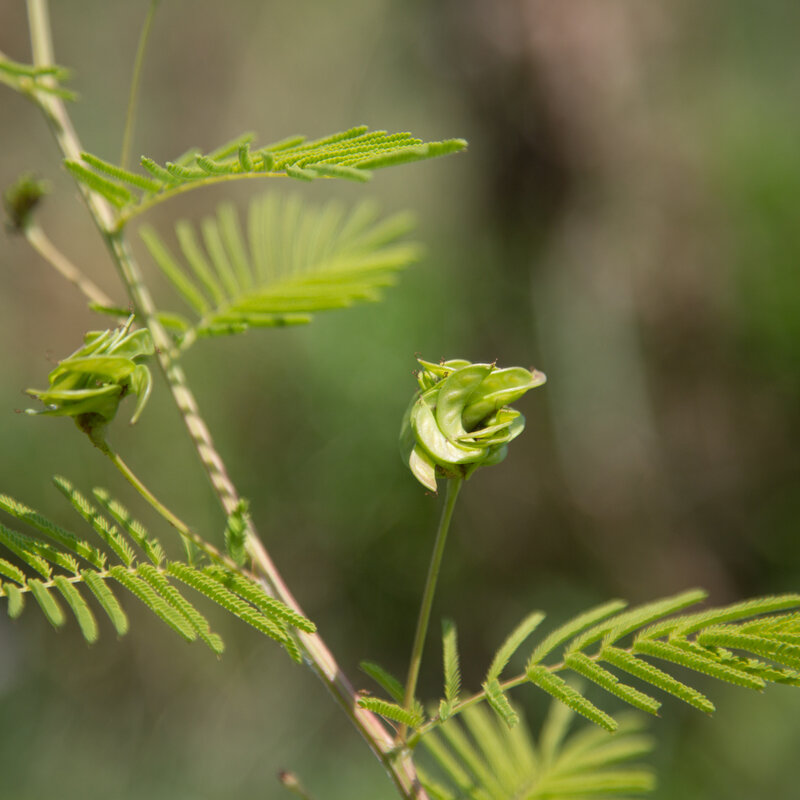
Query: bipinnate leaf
[(477, 758), (610, 641), (289, 262), (50, 570), (349, 155)]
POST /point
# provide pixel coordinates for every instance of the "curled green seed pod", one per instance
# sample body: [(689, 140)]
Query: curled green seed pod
[(460, 419), (90, 384)]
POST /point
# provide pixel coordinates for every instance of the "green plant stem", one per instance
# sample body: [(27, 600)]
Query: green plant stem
[(453, 488), (168, 515), (399, 767), (49, 252), (130, 115)]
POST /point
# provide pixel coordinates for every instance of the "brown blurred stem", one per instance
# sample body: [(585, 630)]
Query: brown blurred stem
[(49, 252), (399, 766)]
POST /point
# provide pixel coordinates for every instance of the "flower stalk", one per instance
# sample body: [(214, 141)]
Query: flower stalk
[(453, 488)]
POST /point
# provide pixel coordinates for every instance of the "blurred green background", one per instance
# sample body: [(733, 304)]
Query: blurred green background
[(626, 219)]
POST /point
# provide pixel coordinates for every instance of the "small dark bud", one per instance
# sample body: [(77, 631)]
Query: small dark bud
[(20, 201)]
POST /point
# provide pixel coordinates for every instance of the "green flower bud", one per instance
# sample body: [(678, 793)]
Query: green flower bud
[(460, 418), (90, 384)]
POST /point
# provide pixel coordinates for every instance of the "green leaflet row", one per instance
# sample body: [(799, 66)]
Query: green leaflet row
[(351, 155), (64, 574)]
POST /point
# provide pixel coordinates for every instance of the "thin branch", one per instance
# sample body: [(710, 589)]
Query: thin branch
[(172, 519), (130, 116), (49, 252), (399, 767)]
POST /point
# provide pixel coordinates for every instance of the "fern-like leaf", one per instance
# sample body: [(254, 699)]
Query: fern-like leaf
[(107, 600), (80, 609), (50, 570), (161, 607), (16, 600), (351, 155), (512, 643), (236, 533), (746, 644), (292, 262), (107, 532), (499, 702), (29, 79), (392, 711), (150, 546), (52, 531), (216, 592), (572, 628), (648, 673), (452, 669), (200, 624), (478, 759), (50, 607), (561, 690), (384, 679), (253, 593)]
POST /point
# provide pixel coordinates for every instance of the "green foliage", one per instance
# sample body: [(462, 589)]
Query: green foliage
[(459, 420), (236, 533), (393, 688), (90, 384), (351, 155), (61, 569), (293, 261), (392, 711), (477, 759), (735, 643), (452, 669), (31, 80), (385, 679)]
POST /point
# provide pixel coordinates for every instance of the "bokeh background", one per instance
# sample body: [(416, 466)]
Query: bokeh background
[(626, 219)]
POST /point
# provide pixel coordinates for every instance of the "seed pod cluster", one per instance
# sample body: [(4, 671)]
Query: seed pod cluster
[(90, 384), (460, 419)]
